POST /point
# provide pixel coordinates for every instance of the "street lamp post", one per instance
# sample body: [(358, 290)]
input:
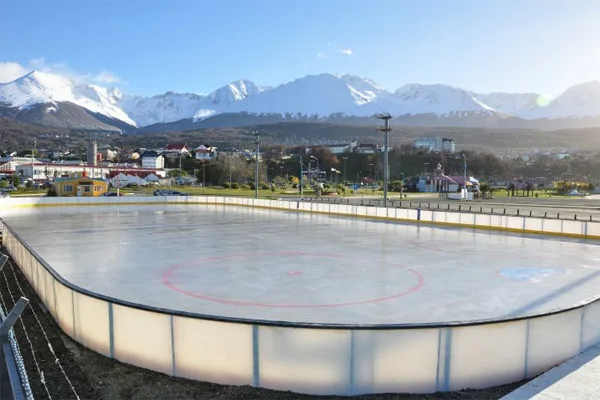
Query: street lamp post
[(257, 143), (301, 179), (386, 169), (345, 159), (465, 175), (317, 160), (204, 176), (301, 182)]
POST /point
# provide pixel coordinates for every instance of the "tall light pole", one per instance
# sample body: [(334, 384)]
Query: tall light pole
[(386, 171), (301, 178), (257, 143), (465, 175), (317, 160), (345, 159), (301, 183)]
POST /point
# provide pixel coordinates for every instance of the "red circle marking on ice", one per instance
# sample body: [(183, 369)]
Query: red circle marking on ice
[(294, 273), (172, 269)]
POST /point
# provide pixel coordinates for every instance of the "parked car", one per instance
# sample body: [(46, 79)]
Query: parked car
[(165, 192)]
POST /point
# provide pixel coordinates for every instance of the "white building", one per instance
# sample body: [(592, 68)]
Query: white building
[(49, 171), (151, 159), (205, 153), (338, 148), (436, 144)]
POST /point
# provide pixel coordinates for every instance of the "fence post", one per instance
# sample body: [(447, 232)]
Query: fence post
[(8, 369)]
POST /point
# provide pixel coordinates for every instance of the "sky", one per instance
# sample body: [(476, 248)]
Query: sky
[(149, 47)]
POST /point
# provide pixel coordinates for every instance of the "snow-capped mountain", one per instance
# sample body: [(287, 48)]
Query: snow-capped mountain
[(321, 95), (172, 106), (53, 100), (578, 101), (50, 89), (440, 100), (522, 105)]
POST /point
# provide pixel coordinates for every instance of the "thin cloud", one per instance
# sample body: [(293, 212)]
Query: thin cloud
[(9, 71), (320, 55), (345, 51)]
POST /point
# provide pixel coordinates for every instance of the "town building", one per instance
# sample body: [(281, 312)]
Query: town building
[(82, 186), (40, 172), (176, 150), (336, 148), (206, 153), (436, 144), (152, 159)]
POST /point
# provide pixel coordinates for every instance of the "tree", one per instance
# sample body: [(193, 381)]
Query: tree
[(325, 156), (175, 173)]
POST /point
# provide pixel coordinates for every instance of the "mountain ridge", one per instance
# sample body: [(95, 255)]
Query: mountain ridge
[(313, 97)]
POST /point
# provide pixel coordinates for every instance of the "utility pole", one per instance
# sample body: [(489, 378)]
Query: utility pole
[(345, 159), (257, 143), (386, 172)]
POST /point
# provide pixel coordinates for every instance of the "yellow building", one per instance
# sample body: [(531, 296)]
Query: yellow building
[(80, 187)]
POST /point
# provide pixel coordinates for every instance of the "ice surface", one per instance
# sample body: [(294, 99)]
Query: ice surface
[(286, 266)]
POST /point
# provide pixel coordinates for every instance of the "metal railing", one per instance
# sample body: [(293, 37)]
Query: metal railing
[(508, 209), (14, 382)]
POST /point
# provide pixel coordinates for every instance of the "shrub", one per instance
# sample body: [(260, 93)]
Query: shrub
[(250, 185), (264, 186), (247, 187), (235, 185), (226, 185)]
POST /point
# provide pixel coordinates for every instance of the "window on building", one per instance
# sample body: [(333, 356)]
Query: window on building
[(87, 188), (97, 188), (68, 188)]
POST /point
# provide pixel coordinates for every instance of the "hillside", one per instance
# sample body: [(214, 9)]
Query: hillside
[(297, 133)]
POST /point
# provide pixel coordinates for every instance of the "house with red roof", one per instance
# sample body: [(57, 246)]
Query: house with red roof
[(175, 150)]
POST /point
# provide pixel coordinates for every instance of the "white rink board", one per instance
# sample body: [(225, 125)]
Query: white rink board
[(386, 358)]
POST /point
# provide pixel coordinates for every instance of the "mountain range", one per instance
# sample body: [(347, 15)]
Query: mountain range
[(57, 101)]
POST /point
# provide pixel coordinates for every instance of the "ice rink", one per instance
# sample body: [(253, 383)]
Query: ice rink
[(283, 266)]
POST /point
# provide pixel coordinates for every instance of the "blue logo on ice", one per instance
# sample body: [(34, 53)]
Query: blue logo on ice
[(531, 275)]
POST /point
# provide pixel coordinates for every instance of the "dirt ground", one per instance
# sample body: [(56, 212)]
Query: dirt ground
[(96, 377)]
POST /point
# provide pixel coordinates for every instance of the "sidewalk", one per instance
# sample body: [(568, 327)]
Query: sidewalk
[(575, 379)]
